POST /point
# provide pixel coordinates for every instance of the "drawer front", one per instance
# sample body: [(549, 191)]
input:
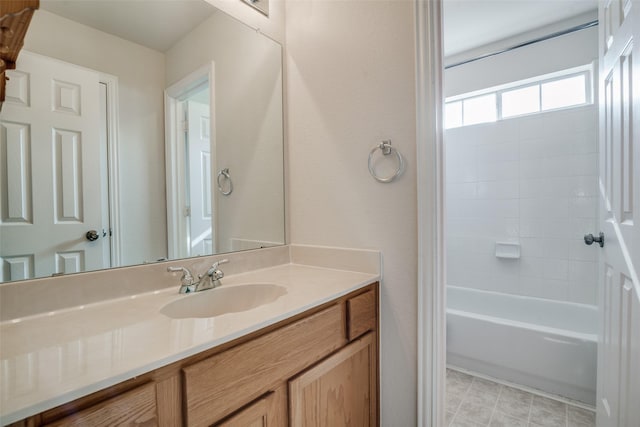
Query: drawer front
[(361, 312), (133, 408), (219, 385)]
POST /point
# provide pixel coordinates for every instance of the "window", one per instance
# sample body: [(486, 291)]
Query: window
[(481, 109), (453, 114), (564, 89), (521, 101), (564, 93)]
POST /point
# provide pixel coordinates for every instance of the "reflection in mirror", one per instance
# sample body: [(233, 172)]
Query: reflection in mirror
[(83, 132)]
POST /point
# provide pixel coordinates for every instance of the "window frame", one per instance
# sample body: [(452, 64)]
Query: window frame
[(583, 70)]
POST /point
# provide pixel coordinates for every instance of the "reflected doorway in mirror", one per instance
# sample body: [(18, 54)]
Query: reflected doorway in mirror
[(190, 158)]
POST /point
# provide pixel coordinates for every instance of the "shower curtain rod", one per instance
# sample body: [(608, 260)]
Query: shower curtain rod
[(527, 43)]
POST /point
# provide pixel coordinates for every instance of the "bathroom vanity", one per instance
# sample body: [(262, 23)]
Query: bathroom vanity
[(307, 356)]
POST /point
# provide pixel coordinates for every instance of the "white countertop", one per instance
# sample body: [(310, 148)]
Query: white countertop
[(54, 358)]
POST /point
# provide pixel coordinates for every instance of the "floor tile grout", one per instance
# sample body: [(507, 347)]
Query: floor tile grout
[(465, 383)]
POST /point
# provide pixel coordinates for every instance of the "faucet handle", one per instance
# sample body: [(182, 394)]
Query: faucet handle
[(215, 272), (217, 263), (187, 277)]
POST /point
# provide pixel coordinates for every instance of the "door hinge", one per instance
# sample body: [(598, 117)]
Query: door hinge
[(185, 125), (187, 211)]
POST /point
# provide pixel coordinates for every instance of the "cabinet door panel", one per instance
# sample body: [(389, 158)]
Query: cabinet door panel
[(339, 391), (134, 408), (268, 411)]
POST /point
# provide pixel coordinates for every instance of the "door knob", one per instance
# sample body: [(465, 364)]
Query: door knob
[(590, 238), (92, 235)]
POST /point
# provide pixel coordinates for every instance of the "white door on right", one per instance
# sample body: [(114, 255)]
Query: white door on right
[(618, 402), (201, 196)]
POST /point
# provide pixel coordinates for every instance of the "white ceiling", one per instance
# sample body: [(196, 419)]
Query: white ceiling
[(157, 24), (469, 24)]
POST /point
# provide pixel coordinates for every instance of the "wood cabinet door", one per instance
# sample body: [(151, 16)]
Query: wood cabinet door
[(268, 411), (133, 408), (339, 391)]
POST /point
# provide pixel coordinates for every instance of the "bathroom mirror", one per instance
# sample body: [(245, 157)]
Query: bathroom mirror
[(137, 131)]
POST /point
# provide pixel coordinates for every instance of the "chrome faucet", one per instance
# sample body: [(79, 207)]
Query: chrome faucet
[(212, 278), (187, 283), (209, 280)]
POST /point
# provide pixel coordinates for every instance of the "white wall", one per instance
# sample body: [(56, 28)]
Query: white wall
[(140, 73), (560, 53), (531, 180), (272, 25), (350, 84), (248, 124)]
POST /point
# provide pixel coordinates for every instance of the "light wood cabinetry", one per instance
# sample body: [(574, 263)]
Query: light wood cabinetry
[(268, 411), (133, 408), (15, 16), (339, 391), (218, 385), (318, 368)]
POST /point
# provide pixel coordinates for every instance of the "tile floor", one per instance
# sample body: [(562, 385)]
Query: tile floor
[(473, 401)]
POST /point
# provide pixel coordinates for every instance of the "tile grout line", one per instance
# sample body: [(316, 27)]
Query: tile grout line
[(493, 412), (530, 409), (461, 400)]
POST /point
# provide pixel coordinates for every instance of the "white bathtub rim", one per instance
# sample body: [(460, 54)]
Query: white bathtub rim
[(530, 326), (580, 305)]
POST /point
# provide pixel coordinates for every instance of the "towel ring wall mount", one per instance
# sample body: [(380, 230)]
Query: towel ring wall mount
[(224, 174), (387, 149)]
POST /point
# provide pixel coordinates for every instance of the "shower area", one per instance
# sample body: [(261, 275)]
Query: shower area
[(521, 161)]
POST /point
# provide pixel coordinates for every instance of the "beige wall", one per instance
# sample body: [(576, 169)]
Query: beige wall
[(272, 26), (140, 73), (248, 124), (350, 67)]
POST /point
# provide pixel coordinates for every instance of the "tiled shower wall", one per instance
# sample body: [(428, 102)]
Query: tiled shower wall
[(530, 180)]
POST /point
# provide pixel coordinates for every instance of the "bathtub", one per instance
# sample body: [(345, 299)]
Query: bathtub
[(547, 345)]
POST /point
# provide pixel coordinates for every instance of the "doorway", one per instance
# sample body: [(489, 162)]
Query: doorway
[(616, 281), (190, 160)]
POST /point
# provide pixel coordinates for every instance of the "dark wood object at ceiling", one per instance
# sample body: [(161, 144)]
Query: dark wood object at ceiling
[(15, 16)]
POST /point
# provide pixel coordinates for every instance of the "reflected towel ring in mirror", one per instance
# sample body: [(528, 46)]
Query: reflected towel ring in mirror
[(224, 173), (386, 148)]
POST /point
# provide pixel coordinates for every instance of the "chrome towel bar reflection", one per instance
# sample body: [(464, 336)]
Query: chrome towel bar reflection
[(224, 173), (387, 149)]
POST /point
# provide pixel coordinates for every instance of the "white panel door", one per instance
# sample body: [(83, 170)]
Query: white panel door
[(201, 197), (50, 174), (618, 401)]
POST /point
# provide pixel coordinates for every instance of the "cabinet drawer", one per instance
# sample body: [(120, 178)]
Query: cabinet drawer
[(133, 408), (219, 385), (361, 312)]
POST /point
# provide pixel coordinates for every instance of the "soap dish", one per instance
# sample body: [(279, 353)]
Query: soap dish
[(509, 250)]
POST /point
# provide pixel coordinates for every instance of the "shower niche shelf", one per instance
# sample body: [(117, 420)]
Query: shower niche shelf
[(508, 250)]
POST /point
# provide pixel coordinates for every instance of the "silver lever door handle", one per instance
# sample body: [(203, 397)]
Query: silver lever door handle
[(590, 238)]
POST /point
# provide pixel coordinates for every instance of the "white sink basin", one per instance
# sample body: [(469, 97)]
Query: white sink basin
[(223, 300)]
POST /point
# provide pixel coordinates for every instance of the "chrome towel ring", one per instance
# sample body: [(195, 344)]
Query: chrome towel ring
[(386, 148), (224, 173)]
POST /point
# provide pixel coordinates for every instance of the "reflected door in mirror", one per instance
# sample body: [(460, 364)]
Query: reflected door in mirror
[(50, 200), (201, 209)]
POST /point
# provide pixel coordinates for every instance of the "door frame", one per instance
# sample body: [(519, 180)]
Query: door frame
[(113, 171), (430, 184), (177, 225)]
